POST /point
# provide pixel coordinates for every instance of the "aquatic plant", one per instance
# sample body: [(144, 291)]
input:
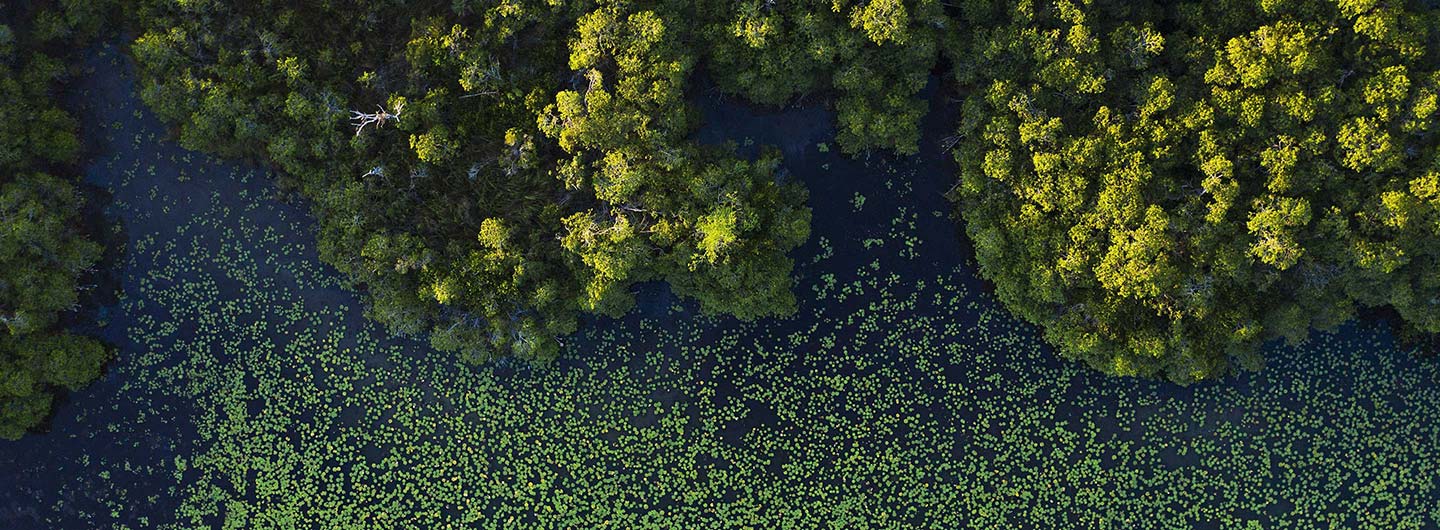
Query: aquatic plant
[(895, 402)]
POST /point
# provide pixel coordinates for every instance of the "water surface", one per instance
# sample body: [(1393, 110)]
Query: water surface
[(250, 392)]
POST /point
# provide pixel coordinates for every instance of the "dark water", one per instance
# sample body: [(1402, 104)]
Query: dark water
[(51, 479), (110, 458)]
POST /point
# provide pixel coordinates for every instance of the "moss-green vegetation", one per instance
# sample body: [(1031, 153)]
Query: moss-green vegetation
[(44, 256), (1165, 185)]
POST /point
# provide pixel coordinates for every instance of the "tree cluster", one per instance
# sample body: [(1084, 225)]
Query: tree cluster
[(1162, 186), (486, 171), (44, 253), (874, 56)]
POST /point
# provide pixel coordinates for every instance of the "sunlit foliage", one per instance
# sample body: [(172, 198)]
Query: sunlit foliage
[(1164, 185), (487, 172)]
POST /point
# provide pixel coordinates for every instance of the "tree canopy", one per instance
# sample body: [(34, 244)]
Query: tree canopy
[(486, 171), (1160, 186), (875, 56), (1163, 186), (44, 254)]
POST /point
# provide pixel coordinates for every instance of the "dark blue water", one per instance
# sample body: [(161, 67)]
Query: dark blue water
[(111, 458)]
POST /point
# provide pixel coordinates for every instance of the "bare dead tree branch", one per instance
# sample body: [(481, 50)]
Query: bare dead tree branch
[(378, 118)]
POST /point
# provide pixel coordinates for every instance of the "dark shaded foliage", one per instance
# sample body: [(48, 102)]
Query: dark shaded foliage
[(44, 253)]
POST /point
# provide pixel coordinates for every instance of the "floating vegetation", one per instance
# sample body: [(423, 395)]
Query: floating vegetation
[(892, 404), (897, 397)]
